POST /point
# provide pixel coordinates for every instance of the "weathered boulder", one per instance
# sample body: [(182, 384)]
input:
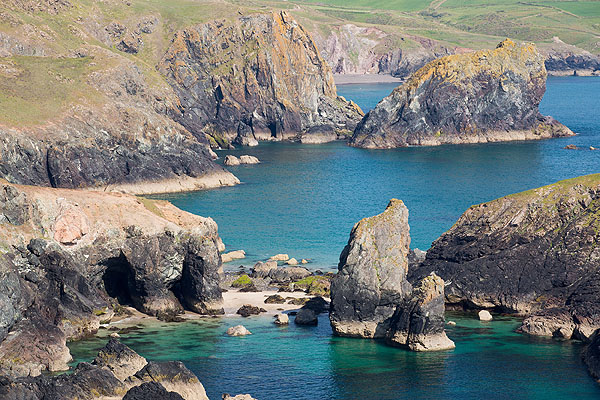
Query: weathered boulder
[(233, 255), (249, 160), (274, 299), (151, 391), (238, 330), (288, 274), (418, 323), (263, 269), (282, 319), (173, 376), (371, 281), (484, 315), (485, 96), (255, 77), (306, 316), (535, 253), (247, 310), (231, 160), (279, 257), (119, 359)]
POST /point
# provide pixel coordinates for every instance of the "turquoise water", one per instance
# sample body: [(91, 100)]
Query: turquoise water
[(304, 199), (294, 363)]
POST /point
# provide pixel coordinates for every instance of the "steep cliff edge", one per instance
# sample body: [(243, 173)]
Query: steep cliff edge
[(489, 95), (70, 257), (256, 77), (535, 253)]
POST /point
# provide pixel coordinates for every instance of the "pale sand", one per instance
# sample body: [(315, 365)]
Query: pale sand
[(346, 79), (175, 185)]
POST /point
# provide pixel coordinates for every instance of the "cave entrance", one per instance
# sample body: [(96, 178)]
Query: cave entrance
[(273, 129), (116, 279)]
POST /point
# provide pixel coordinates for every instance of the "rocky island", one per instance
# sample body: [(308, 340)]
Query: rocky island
[(485, 96)]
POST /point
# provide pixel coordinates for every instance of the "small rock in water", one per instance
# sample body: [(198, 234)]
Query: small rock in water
[(238, 330), (249, 160), (292, 261), (484, 315), (593, 148), (304, 261), (238, 397), (452, 323), (570, 147), (247, 310), (306, 316), (231, 161), (233, 255), (115, 335), (279, 257), (282, 319)]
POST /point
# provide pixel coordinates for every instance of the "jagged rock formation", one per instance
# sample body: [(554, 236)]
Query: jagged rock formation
[(566, 59), (535, 253), (419, 322), (127, 144), (135, 251), (489, 95), (591, 355), (371, 281), (257, 77), (153, 380)]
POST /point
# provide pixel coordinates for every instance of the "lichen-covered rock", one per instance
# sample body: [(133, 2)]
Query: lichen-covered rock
[(371, 280), (418, 322), (488, 95), (534, 253), (256, 77)]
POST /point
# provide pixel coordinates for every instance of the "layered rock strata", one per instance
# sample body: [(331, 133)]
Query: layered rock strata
[(255, 77), (98, 250), (371, 281), (485, 96), (535, 253)]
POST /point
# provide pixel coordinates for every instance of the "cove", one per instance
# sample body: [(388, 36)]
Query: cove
[(304, 199)]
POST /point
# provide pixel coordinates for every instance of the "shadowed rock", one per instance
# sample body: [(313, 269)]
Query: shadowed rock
[(371, 281), (119, 359), (151, 391)]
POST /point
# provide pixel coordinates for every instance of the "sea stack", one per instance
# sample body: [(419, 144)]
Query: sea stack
[(419, 322), (255, 77), (484, 96), (534, 253), (371, 281)]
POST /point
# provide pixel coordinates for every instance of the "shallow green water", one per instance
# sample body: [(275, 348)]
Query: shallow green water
[(490, 362)]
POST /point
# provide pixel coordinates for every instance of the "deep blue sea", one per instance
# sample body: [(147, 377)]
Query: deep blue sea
[(304, 199)]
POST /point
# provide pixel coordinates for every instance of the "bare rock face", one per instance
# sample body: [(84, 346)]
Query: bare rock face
[(534, 253), (485, 96), (258, 77), (371, 281), (151, 391), (591, 355), (418, 323), (135, 251)]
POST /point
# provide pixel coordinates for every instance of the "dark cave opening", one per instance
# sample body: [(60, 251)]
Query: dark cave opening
[(116, 278)]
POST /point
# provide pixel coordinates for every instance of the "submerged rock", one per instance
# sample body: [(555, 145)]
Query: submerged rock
[(254, 77), (418, 323), (534, 253), (485, 96), (371, 281)]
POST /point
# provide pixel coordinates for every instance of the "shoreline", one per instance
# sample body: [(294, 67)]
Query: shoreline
[(352, 79)]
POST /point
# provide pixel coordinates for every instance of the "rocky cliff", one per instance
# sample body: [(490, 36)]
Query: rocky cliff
[(371, 280), (489, 95), (536, 253), (255, 77), (70, 258)]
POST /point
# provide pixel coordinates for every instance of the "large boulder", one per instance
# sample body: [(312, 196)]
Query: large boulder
[(485, 96), (119, 359), (254, 77), (534, 253), (371, 281), (418, 323)]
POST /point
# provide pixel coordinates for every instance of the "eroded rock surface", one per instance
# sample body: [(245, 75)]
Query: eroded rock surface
[(485, 96), (534, 253), (256, 77), (371, 281)]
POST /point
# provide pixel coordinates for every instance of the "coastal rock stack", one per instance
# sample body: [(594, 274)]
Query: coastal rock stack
[(371, 281), (485, 96), (256, 77), (419, 322), (534, 253)]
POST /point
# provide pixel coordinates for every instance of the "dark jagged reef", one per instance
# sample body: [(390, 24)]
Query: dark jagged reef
[(485, 96)]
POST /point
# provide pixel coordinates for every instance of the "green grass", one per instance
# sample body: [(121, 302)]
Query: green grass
[(243, 280)]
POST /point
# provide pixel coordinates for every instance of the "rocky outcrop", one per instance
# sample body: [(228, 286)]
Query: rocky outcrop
[(591, 355), (134, 251), (418, 323), (256, 77), (534, 253), (371, 281), (488, 95), (566, 59), (164, 380)]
